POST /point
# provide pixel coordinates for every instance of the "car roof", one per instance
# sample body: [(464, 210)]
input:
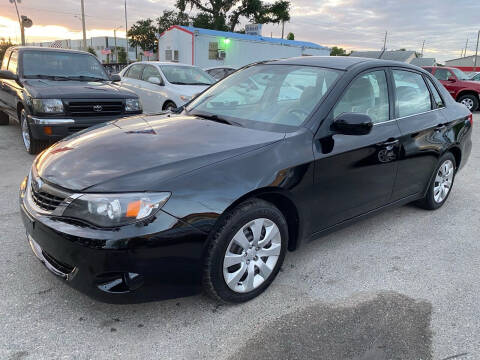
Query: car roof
[(42, 48), (162, 63), (339, 62)]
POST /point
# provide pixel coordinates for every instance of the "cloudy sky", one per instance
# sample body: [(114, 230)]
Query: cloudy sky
[(445, 25)]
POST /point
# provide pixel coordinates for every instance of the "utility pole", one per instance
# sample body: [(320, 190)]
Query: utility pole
[(465, 53), (19, 20), (115, 41), (385, 42), (126, 30), (83, 27), (423, 46), (476, 52), (283, 28)]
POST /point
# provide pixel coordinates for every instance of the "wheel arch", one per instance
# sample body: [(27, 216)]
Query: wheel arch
[(466, 92), (280, 199), (166, 102), (457, 153), (20, 106)]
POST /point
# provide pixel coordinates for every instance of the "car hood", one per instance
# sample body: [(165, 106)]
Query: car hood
[(159, 147), (42, 88), (188, 90)]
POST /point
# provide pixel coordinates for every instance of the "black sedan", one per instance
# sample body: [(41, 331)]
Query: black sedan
[(151, 207)]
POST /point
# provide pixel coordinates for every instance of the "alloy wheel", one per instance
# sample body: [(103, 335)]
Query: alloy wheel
[(252, 255), (468, 103), (443, 181), (25, 130)]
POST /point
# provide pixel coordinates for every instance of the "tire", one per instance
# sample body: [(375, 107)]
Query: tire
[(470, 101), (169, 106), (4, 118), (252, 214), (433, 200), (32, 146)]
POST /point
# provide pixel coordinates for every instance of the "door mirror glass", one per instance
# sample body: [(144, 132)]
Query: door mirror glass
[(8, 75), (155, 80), (451, 78), (115, 78), (352, 124)]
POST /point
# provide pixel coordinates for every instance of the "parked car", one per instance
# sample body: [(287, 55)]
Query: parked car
[(215, 196), (220, 72), (164, 86), (458, 84), (53, 93)]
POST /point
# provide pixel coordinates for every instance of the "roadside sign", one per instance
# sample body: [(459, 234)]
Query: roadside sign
[(253, 29)]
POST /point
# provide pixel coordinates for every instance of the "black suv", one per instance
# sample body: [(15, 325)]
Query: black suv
[(53, 93)]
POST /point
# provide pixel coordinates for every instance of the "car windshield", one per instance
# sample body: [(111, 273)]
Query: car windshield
[(460, 74), (62, 65), (186, 75), (271, 97)]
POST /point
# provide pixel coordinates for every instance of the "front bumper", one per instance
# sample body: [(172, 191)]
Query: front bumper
[(63, 127), (132, 264)]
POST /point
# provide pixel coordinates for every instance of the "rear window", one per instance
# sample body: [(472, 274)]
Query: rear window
[(430, 70)]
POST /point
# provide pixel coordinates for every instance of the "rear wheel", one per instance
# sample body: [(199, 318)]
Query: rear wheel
[(245, 252), (3, 118), (470, 101), (32, 145), (441, 184)]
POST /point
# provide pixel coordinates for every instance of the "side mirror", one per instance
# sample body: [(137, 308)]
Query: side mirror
[(451, 79), (8, 75), (115, 78), (155, 80), (352, 124)]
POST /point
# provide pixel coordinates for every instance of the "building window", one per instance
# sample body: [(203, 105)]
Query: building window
[(175, 55), (212, 50), (168, 55)]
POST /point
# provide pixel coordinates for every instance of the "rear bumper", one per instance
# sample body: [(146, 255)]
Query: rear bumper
[(62, 127), (157, 261)]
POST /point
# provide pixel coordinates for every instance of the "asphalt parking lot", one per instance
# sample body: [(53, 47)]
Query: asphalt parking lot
[(402, 285)]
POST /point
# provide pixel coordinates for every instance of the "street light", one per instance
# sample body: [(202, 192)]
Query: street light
[(23, 21)]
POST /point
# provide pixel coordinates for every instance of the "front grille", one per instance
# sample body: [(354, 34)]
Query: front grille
[(94, 108), (45, 200)]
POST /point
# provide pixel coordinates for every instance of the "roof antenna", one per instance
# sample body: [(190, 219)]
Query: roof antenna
[(384, 46)]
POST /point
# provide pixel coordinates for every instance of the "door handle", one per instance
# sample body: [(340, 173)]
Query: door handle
[(391, 142)]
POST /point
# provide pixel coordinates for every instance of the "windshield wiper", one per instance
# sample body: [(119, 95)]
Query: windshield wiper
[(87, 78), (216, 118), (49, 77)]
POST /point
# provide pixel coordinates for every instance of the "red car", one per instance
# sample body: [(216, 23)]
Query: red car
[(458, 84)]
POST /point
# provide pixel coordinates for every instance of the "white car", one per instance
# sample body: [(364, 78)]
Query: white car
[(164, 86)]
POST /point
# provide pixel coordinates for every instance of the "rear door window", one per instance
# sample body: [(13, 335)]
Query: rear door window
[(411, 93), (442, 74), (436, 95)]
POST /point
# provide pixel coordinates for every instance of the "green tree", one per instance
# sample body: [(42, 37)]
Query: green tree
[(290, 36), (170, 18), (226, 14), (92, 51), (142, 34), (122, 55), (4, 45), (338, 51)]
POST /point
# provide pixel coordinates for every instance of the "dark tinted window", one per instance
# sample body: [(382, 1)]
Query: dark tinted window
[(436, 96), (442, 74), (12, 64), (430, 70), (149, 72), (135, 72), (368, 94), (411, 92)]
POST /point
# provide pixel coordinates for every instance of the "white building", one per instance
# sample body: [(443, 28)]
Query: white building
[(97, 43), (208, 48)]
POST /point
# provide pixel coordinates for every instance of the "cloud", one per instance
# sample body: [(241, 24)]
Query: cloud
[(353, 24)]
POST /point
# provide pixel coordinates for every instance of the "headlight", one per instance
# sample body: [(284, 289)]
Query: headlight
[(132, 105), (185, 98), (110, 210), (50, 106)]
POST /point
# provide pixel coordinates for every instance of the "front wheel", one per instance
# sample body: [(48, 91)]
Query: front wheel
[(245, 252), (32, 145), (470, 101), (441, 184)]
